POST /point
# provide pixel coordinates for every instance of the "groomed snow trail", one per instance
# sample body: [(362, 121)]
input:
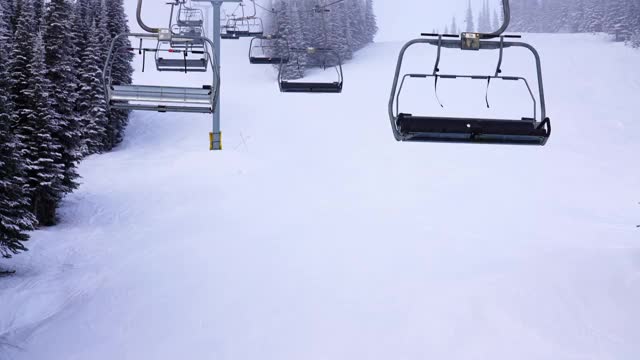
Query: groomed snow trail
[(315, 236)]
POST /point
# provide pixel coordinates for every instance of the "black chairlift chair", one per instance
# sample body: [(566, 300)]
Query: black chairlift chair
[(236, 28), (182, 60), (311, 58), (528, 130), (189, 17), (228, 31), (188, 30), (187, 38), (256, 27), (157, 97), (264, 50)]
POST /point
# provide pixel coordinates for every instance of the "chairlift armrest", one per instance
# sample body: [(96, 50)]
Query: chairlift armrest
[(443, 35)]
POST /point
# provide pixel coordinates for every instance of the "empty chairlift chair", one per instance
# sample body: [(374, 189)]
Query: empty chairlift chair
[(269, 49), (187, 59), (238, 28), (157, 97), (310, 58), (189, 17), (187, 38), (246, 25), (255, 25), (227, 31), (534, 129)]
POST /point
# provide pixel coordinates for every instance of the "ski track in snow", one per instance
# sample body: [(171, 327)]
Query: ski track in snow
[(314, 235)]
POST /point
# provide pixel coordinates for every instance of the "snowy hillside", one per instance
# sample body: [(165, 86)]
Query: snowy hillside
[(314, 235)]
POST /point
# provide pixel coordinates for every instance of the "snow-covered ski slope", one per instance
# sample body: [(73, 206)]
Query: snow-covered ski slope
[(315, 236)]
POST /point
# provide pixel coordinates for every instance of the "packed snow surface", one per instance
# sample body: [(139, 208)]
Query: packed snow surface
[(315, 235)]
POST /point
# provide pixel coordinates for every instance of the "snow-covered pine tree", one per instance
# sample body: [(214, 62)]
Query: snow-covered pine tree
[(371, 23), (484, 18), (92, 106), (469, 23), (122, 70), (518, 16), (38, 10), (15, 218), (576, 18), (354, 12), (104, 35), (21, 56), (6, 31), (291, 30), (454, 26), (634, 24), (8, 14), (59, 51), (346, 27), (45, 171), (80, 29), (496, 21), (340, 38)]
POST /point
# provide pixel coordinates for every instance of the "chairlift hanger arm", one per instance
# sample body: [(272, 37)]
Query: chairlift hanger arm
[(144, 26), (273, 11)]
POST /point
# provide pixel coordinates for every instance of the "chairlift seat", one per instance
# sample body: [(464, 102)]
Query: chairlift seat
[(190, 23), (310, 87), (229, 35), (266, 60), (190, 44), (239, 33), (162, 98), (471, 130), (188, 65), (190, 40)]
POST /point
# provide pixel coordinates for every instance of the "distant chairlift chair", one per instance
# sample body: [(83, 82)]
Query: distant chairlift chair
[(262, 50), (154, 97), (181, 59), (230, 30), (247, 25), (189, 17), (244, 27), (314, 58)]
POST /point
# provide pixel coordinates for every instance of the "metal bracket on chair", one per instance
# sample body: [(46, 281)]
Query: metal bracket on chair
[(470, 41), (499, 67)]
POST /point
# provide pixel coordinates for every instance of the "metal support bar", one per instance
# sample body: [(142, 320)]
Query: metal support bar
[(215, 137), (144, 26)]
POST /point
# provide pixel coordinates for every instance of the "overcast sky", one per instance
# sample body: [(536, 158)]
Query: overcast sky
[(404, 19)]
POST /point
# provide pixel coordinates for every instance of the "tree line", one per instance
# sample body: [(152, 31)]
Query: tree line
[(53, 110), (617, 17), (345, 27)]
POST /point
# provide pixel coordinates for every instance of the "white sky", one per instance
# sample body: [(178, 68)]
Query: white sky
[(401, 20)]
